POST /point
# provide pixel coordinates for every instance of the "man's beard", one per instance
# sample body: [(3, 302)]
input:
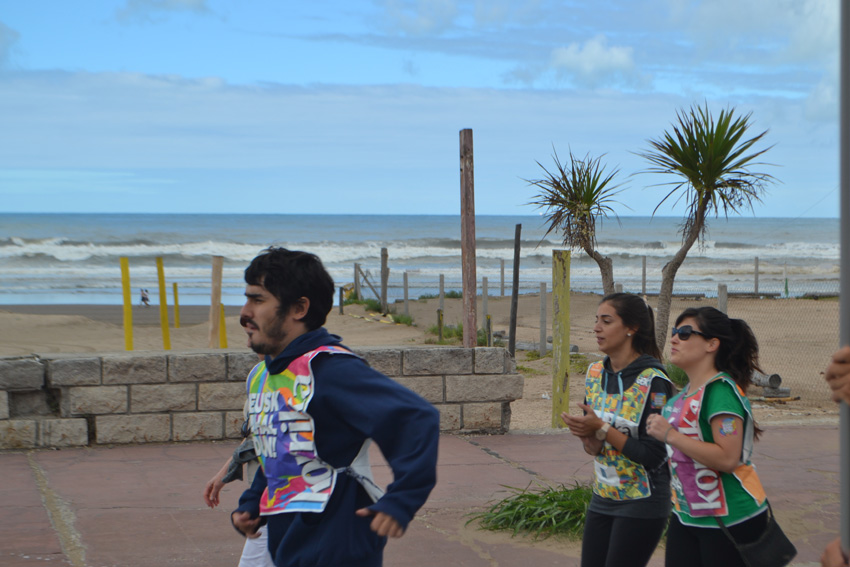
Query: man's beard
[(275, 335)]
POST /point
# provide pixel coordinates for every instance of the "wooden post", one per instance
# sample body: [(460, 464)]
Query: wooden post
[(365, 279), (560, 335), (514, 293), (442, 292), (502, 293), (222, 329), (542, 350), (357, 295), (484, 293), (467, 238), (128, 303), (489, 327), (163, 305), (341, 301), (215, 300), (176, 307), (643, 276), (756, 280), (440, 325), (618, 288), (406, 304), (385, 279), (722, 298)]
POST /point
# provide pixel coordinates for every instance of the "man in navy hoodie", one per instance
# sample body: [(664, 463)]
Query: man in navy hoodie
[(313, 409)]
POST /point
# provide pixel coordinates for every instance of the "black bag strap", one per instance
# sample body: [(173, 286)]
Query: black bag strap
[(726, 530)]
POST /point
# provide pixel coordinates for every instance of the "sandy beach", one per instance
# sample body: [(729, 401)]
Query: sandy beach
[(796, 338)]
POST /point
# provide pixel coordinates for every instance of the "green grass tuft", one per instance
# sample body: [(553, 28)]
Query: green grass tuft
[(676, 375), (542, 512)]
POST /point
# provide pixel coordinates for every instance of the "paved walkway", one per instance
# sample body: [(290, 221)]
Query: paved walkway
[(142, 506)]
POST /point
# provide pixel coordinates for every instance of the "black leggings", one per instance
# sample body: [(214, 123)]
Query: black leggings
[(688, 546), (611, 541)]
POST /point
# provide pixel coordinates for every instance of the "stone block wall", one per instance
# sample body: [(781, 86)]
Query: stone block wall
[(66, 400)]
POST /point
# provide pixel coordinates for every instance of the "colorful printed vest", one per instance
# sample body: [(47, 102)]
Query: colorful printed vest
[(616, 476), (698, 491), (298, 479)]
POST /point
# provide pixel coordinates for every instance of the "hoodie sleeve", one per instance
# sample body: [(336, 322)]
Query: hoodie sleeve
[(250, 499), (646, 450), (360, 402)]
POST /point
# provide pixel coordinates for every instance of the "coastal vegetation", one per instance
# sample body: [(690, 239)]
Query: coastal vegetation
[(711, 159), (575, 196)]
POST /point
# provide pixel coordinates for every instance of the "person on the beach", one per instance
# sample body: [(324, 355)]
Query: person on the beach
[(314, 407), (710, 430), (146, 300), (837, 375), (631, 492)]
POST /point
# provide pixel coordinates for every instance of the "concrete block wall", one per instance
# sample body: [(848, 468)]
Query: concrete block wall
[(66, 400)]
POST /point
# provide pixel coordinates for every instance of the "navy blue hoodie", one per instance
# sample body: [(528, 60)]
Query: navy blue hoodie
[(351, 403)]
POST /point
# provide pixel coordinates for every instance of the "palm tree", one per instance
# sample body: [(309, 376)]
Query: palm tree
[(575, 196), (710, 158)]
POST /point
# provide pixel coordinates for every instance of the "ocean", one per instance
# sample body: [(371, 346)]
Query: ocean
[(75, 258)]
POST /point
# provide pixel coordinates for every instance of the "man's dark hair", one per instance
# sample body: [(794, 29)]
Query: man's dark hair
[(290, 275)]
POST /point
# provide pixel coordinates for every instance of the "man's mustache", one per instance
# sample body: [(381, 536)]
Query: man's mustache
[(245, 321)]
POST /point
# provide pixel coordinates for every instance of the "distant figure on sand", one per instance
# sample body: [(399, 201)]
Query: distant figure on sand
[(146, 300)]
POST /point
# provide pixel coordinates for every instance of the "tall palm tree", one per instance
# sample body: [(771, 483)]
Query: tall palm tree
[(575, 195), (710, 157)]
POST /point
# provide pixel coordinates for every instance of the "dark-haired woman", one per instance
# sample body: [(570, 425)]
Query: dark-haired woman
[(710, 429), (631, 491)]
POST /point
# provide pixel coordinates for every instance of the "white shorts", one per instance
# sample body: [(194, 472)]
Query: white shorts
[(256, 551)]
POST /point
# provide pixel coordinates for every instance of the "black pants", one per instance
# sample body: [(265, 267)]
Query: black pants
[(688, 546), (610, 541)]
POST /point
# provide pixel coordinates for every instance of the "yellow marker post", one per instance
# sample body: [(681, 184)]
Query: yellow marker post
[(222, 330), (163, 305), (560, 335), (176, 307), (128, 304)]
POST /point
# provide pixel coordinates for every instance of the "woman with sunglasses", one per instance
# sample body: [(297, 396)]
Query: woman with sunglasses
[(631, 492), (710, 430)]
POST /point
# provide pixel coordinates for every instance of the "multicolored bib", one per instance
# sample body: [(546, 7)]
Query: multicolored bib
[(616, 476), (298, 479), (698, 491)]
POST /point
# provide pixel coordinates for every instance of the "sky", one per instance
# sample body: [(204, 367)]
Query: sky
[(275, 106)]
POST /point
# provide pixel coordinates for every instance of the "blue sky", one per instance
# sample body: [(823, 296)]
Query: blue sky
[(216, 106)]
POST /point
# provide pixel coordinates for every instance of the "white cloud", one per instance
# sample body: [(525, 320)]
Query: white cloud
[(8, 39), (594, 63)]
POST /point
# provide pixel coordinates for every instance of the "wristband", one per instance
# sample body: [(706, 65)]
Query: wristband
[(666, 434)]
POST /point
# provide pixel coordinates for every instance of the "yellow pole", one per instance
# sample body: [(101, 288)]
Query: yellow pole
[(222, 330), (128, 304), (560, 335), (176, 307), (163, 305)]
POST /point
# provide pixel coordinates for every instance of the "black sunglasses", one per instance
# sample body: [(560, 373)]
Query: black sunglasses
[(685, 332)]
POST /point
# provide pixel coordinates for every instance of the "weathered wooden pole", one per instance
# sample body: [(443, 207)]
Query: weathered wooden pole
[(385, 279), (442, 292), (502, 293), (406, 304), (542, 349), (215, 301), (722, 298), (176, 306), (484, 293), (163, 305), (128, 303), (514, 293), (560, 335), (341, 301), (357, 295), (643, 276), (618, 288), (440, 325), (467, 239), (756, 277)]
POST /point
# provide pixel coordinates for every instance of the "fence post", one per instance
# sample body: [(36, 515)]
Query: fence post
[(542, 350), (484, 294), (442, 292), (341, 301), (756, 280), (489, 327), (785, 278), (357, 295), (643, 276), (176, 306), (440, 325), (618, 288), (467, 238), (560, 335), (722, 298), (406, 304), (215, 300), (514, 293), (502, 294), (385, 277)]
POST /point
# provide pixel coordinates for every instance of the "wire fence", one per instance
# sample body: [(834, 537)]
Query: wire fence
[(795, 320)]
